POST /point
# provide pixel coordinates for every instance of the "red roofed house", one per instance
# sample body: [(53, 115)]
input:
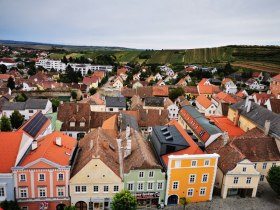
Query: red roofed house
[(261, 98), (4, 77), (91, 81), (275, 85), (121, 71), (204, 87), (223, 97), (42, 177), (160, 91), (13, 145), (205, 106)]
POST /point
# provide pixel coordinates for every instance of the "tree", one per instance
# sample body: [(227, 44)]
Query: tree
[(3, 69), (21, 97), (92, 91), (32, 70), (5, 124), (175, 93), (74, 94), (11, 83), (9, 205), (55, 104), (16, 119), (273, 178), (184, 201), (64, 60), (69, 208), (124, 200)]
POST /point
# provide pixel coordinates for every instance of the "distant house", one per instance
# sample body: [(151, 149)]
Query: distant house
[(136, 76), (136, 84), (230, 87), (115, 104), (205, 106), (275, 85), (153, 103), (160, 83), (91, 81), (117, 83), (160, 91), (258, 76), (273, 105), (123, 76), (122, 71), (182, 82), (96, 101), (254, 84), (261, 98), (158, 76), (27, 108)]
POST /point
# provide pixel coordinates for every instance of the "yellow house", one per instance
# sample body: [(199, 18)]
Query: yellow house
[(96, 178)]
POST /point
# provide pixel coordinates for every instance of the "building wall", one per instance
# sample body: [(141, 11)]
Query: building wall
[(95, 173), (182, 174), (243, 122), (275, 87), (173, 111), (97, 108), (211, 110), (7, 182), (263, 168), (114, 109)]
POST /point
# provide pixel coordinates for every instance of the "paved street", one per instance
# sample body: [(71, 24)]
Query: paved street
[(266, 200)]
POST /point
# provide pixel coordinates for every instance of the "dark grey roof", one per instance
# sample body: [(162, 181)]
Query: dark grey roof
[(202, 121), (154, 101), (14, 106), (259, 115), (129, 120), (115, 101), (213, 80), (34, 103), (169, 135)]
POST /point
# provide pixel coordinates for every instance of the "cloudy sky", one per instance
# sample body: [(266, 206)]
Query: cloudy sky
[(145, 24)]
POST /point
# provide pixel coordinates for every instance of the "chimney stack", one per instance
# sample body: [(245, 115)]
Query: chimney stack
[(236, 119), (248, 106), (266, 127), (128, 148), (34, 145), (91, 144), (127, 132), (58, 141), (225, 137), (77, 107), (119, 142)]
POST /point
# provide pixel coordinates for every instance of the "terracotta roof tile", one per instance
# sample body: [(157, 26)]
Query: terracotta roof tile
[(223, 97), (191, 89), (90, 80), (111, 125), (225, 80), (97, 118), (122, 71), (275, 105), (160, 91), (203, 101), (261, 98), (276, 78)]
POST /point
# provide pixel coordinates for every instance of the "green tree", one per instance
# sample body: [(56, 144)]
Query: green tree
[(5, 124), (175, 93), (273, 178), (11, 83), (21, 97), (55, 104), (3, 69), (64, 60), (16, 119), (69, 208), (9, 205), (92, 91), (74, 94), (184, 201), (124, 200), (32, 70)]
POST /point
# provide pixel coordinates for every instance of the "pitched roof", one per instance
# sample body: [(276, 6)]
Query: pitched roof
[(261, 98), (90, 80), (122, 71), (47, 147), (203, 101), (98, 144), (115, 101), (226, 80), (136, 103), (94, 99), (154, 101), (97, 118), (99, 74), (34, 103), (191, 89), (78, 111), (152, 117), (275, 105), (111, 125), (256, 74), (257, 147), (141, 91), (276, 78), (223, 97), (160, 90), (4, 76), (9, 147)]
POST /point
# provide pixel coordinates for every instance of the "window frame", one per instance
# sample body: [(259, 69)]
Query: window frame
[(94, 188), (20, 178), (203, 176), (62, 190), (190, 190), (58, 178), (143, 174), (235, 180), (192, 176), (21, 189), (175, 185), (44, 190), (104, 187), (39, 177), (202, 189)]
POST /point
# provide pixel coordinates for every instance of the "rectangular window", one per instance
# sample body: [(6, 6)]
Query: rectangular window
[(248, 181), (206, 162), (60, 177), (22, 177), (262, 178), (95, 188), (72, 124), (150, 186), (151, 173), (159, 185), (264, 165), (175, 185), (111, 109), (244, 169), (202, 191), (24, 208), (2, 192), (41, 177), (82, 124), (30, 111), (177, 164), (23, 193), (78, 189), (141, 174), (190, 192), (84, 188), (255, 165), (194, 162), (42, 192), (140, 186), (116, 188), (273, 164), (106, 188), (60, 191), (204, 177), (130, 186), (235, 180), (192, 178)]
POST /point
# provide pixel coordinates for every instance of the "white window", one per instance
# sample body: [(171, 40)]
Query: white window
[(78, 188), (141, 174), (82, 124), (175, 185), (2, 192), (159, 185), (140, 186), (150, 186), (60, 191), (249, 179), (41, 177), (60, 177), (42, 192), (204, 177), (116, 188), (244, 169), (106, 188), (264, 165), (206, 162), (194, 162), (84, 188), (95, 188), (72, 124), (235, 180), (130, 186), (177, 163), (22, 177), (262, 178), (192, 178), (190, 192), (151, 173), (23, 192), (202, 191)]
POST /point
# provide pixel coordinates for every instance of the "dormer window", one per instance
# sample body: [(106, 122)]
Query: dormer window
[(82, 124), (72, 124)]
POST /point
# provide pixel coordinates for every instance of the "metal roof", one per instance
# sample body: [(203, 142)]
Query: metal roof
[(115, 101)]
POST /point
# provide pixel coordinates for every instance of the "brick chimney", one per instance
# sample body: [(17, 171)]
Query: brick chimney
[(58, 141), (236, 119), (119, 142), (266, 127), (34, 145)]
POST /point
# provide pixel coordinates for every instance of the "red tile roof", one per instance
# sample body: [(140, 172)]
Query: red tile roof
[(256, 74), (203, 101), (90, 80), (48, 149), (160, 91), (191, 89), (122, 71), (262, 97), (223, 97), (276, 78), (4, 76), (7, 60), (225, 80), (9, 145)]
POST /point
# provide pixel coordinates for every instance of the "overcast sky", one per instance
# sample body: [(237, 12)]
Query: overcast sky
[(145, 24)]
